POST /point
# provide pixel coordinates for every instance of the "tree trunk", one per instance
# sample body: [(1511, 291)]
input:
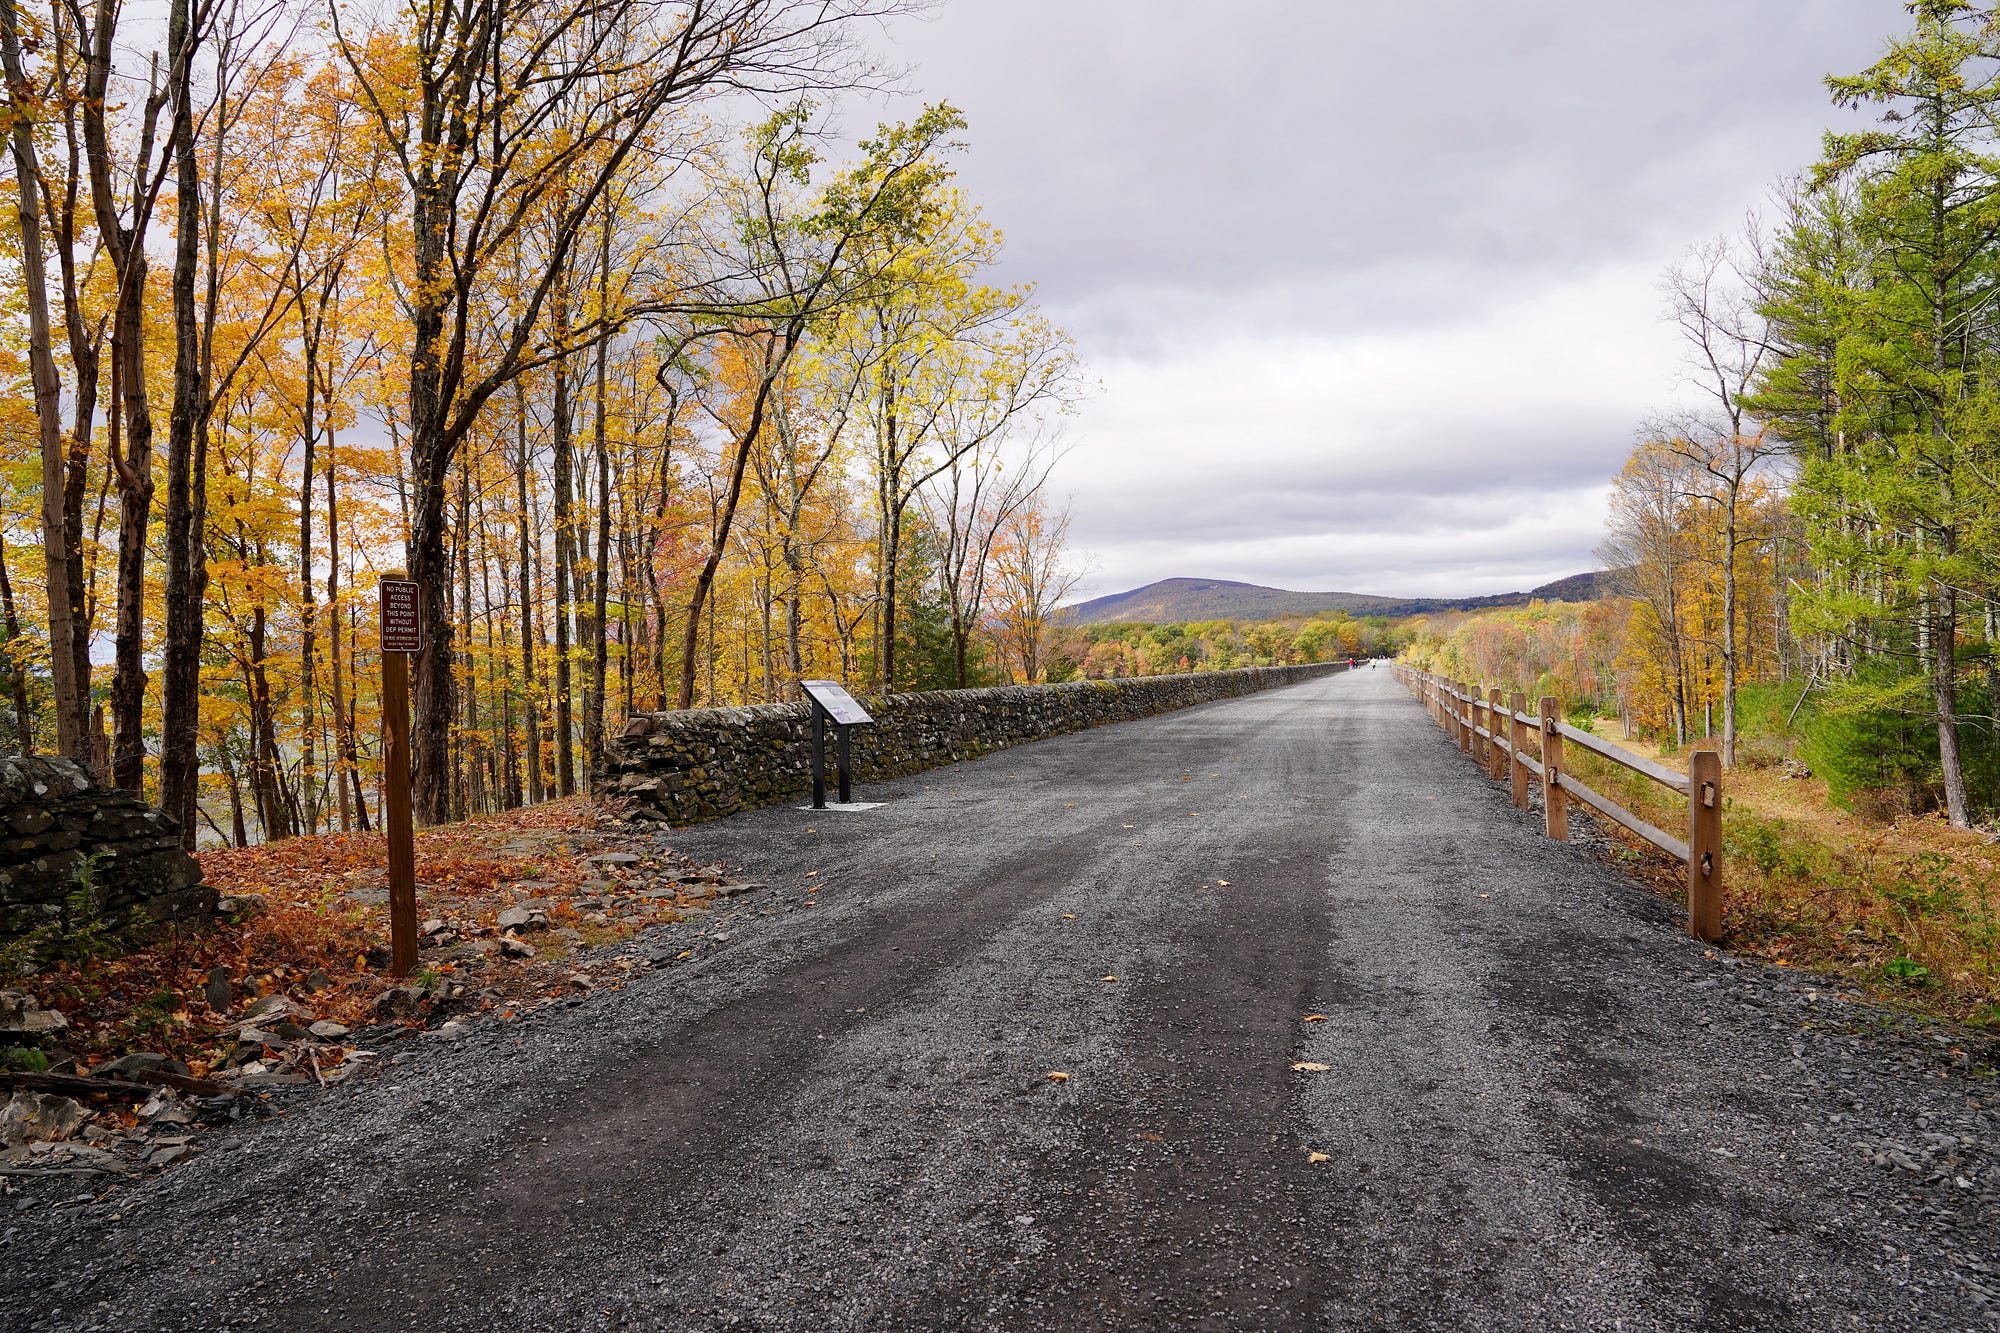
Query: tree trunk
[(889, 487), (71, 693), (565, 576), (433, 386), (472, 796), (15, 670), (593, 720), (531, 711), (343, 736), (184, 522), (308, 608), (134, 471), (1944, 679), (125, 246), (273, 814), (719, 543), (1729, 629), (360, 793), (238, 833)]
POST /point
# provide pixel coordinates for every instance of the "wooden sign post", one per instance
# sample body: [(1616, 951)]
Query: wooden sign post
[(402, 638)]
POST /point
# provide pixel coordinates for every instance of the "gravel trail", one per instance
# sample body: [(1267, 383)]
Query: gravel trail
[(1542, 1105)]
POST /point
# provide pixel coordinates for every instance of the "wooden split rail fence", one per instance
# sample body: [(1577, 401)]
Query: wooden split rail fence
[(1494, 732)]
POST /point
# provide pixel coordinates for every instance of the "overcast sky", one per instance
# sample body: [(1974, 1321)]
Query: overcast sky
[(1371, 290)]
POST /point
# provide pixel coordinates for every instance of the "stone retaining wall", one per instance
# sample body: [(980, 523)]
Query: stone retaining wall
[(710, 762), (52, 816)]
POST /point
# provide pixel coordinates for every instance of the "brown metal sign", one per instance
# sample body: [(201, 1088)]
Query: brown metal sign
[(402, 616)]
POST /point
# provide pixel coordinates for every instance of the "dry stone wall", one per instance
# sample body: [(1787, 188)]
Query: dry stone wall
[(708, 762), (53, 816)]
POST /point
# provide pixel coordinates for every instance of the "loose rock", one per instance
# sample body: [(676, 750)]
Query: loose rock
[(21, 1015), (33, 1117), (399, 1002), (523, 918)]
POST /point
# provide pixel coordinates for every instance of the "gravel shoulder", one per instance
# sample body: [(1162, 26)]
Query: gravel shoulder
[(827, 1104)]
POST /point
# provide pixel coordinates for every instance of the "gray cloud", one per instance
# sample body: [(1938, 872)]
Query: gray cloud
[(1429, 233)]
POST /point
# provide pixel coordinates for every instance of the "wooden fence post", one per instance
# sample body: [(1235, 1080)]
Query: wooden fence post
[(1465, 718), (1472, 710), (1555, 807), (1517, 732), (1486, 741), (1497, 754), (1705, 845), (1472, 724)]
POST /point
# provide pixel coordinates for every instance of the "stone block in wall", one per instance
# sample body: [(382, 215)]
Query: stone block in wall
[(59, 817)]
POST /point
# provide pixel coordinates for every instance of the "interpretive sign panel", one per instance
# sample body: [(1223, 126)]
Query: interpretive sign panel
[(841, 706), (402, 616)]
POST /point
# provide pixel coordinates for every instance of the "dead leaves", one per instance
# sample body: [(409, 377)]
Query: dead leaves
[(1315, 1158), (1309, 1067), (1313, 1018), (1057, 1076), (1111, 978), (323, 930)]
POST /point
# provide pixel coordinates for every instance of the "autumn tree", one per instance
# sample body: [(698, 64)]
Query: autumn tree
[(467, 99)]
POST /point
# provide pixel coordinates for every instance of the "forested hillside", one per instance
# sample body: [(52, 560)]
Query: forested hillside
[(587, 318), (1816, 534), (1175, 600), (1114, 649)]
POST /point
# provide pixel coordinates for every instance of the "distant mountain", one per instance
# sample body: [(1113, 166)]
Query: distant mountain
[(1172, 600)]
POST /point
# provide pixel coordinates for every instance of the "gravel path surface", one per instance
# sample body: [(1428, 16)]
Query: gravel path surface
[(1542, 1107)]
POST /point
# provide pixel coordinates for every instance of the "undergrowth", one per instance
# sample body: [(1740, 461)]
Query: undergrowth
[(1909, 909)]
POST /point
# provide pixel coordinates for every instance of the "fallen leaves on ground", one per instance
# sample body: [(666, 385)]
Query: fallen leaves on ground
[(1314, 1018), (1315, 1158), (313, 923), (1057, 1076), (1310, 1067)]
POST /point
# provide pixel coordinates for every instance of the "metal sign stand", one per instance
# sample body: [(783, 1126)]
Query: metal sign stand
[(832, 703)]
